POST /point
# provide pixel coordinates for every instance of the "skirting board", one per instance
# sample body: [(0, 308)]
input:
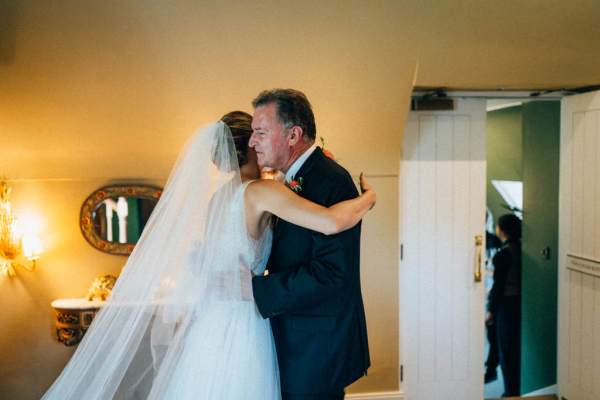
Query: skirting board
[(376, 396)]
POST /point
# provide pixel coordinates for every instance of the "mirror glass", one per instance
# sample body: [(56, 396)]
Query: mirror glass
[(113, 217), (122, 219)]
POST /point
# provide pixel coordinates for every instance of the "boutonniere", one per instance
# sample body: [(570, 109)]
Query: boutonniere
[(326, 152), (295, 184)]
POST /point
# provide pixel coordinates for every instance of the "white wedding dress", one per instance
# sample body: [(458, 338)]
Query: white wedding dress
[(180, 323), (228, 350)]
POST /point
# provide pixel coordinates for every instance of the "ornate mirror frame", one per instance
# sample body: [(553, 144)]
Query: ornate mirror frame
[(90, 204)]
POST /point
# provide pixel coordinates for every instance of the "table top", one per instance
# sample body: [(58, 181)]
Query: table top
[(76, 304)]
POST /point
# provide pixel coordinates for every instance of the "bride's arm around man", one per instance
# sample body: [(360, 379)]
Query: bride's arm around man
[(312, 293)]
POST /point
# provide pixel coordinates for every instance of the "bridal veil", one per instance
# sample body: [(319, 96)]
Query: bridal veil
[(177, 264)]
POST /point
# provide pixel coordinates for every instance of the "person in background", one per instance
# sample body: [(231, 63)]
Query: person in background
[(492, 245), (504, 302)]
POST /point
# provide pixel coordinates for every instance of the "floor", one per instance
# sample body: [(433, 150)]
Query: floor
[(496, 388)]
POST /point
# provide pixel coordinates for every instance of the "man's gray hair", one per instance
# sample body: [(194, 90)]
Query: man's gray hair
[(293, 109)]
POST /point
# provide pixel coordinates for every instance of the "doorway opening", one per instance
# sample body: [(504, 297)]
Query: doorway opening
[(522, 157), (444, 191)]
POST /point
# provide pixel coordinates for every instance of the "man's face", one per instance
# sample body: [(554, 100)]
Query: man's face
[(269, 138)]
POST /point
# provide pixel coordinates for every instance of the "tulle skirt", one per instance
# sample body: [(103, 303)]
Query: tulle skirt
[(228, 354)]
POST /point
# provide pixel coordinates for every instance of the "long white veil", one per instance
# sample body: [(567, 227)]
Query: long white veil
[(138, 334)]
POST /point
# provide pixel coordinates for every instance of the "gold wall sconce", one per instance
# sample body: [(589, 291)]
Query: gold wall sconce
[(18, 248)]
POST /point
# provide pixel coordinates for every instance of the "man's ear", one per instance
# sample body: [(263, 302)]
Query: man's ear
[(295, 135)]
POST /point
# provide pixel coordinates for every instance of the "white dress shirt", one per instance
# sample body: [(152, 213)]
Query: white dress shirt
[(295, 167)]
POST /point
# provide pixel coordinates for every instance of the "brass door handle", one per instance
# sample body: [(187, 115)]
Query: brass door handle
[(478, 253)]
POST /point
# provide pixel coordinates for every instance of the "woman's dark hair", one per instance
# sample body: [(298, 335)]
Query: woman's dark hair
[(510, 224), (240, 125), (293, 108)]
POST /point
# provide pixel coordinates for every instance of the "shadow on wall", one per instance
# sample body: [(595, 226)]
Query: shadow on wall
[(8, 31), (28, 325)]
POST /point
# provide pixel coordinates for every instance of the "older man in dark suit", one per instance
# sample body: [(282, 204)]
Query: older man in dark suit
[(312, 293)]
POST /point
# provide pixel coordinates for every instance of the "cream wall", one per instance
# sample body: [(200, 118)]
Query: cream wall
[(513, 44), (31, 357), (137, 77), (105, 91), (379, 274), (94, 91)]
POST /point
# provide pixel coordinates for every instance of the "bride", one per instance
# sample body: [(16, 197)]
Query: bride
[(181, 322)]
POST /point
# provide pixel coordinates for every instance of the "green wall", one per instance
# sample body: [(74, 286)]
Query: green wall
[(523, 144), (541, 151), (504, 153)]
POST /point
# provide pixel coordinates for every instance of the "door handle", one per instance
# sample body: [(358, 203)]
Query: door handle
[(478, 253), (546, 253)]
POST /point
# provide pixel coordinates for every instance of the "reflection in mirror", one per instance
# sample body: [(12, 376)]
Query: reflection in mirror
[(113, 217), (122, 219)]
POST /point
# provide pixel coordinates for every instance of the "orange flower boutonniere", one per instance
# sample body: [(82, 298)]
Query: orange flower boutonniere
[(326, 152)]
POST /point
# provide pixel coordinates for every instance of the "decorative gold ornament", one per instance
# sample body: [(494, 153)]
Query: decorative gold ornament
[(101, 287)]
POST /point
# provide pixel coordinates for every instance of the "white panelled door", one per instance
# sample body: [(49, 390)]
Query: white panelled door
[(579, 249), (442, 195)]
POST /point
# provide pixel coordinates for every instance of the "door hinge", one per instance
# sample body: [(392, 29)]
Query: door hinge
[(401, 251), (401, 373)]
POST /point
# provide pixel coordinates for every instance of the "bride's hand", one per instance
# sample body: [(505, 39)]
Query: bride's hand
[(364, 185), (366, 189)]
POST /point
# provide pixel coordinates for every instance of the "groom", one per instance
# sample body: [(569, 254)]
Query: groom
[(312, 292)]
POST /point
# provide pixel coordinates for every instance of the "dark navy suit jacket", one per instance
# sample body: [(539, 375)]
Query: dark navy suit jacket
[(312, 293)]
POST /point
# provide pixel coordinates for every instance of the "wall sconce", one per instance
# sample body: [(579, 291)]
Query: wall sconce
[(13, 242)]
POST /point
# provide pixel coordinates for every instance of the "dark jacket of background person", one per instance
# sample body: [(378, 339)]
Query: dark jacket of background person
[(507, 274), (504, 303)]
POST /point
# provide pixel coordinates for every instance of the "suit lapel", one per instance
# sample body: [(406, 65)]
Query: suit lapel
[(305, 169), (308, 166)]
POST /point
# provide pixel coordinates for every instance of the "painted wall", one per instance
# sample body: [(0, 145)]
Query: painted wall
[(31, 356), (541, 154), (504, 151), (80, 80), (97, 92)]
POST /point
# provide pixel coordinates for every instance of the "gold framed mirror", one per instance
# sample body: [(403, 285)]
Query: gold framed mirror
[(113, 217)]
